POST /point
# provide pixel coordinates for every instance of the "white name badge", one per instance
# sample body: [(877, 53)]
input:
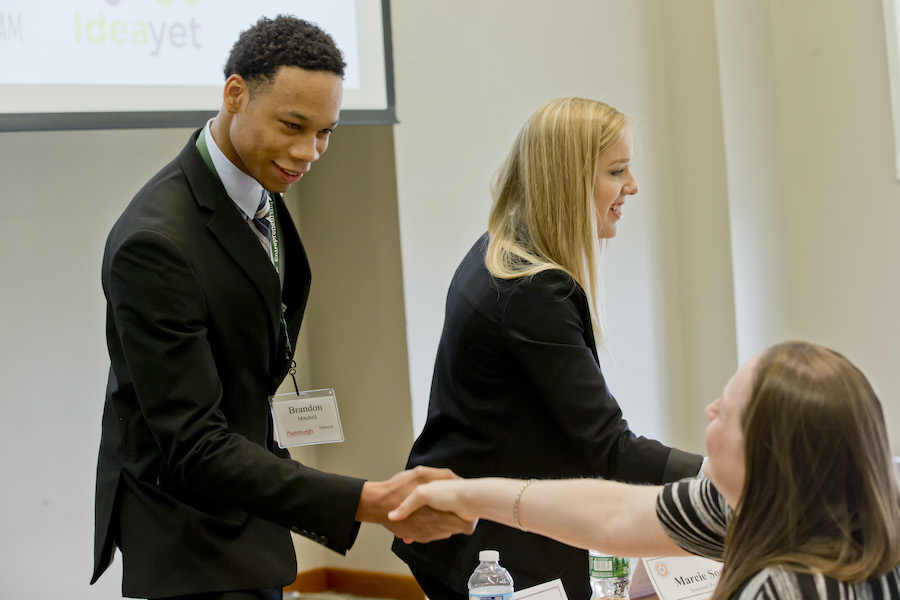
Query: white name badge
[(306, 418), (682, 577)]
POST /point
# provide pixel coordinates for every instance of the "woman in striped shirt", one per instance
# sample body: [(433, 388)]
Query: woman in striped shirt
[(799, 499)]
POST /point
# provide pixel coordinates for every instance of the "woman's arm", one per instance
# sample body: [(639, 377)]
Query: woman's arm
[(614, 518)]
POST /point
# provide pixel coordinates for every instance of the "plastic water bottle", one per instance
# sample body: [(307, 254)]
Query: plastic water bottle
[(610, 576), (490, 581)]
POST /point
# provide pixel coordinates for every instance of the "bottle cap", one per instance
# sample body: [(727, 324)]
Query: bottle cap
[(489, 555)]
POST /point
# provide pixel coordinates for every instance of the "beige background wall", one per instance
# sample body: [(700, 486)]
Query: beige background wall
[(354, 330), (768, 208)]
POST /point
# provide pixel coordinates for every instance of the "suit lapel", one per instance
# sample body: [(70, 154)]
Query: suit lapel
[(232, 232)]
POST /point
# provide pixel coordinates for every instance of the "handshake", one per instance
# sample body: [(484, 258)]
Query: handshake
[(422, 523)]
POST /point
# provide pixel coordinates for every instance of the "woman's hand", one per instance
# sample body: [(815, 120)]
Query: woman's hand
[(445, 495)]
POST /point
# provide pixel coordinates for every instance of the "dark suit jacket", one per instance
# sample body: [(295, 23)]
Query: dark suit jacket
[(518, 392), (189, 485)]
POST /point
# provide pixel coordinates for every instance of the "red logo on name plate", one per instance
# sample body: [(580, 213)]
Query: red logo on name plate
[(300, 432)]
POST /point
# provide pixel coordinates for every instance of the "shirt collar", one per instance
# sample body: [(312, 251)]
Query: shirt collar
[(243, 190)]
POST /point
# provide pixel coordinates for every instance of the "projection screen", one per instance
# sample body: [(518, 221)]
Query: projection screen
[(107, 64)]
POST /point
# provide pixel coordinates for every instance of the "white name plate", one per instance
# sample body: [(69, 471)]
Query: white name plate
[(306, 418), (552, 590), (640, 580), (679, 577)]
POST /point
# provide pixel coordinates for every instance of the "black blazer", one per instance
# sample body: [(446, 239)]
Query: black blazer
[(189, 485), (518, 392)]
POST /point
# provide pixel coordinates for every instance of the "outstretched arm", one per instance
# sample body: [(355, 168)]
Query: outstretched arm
[(614, 518)]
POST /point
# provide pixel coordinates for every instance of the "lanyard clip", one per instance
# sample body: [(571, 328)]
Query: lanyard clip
[(293, 372)]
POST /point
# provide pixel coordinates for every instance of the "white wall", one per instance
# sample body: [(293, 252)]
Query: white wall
[(468, 74), (767, 203), (754, 168), (842, 201), (697, 249), (62, 192)]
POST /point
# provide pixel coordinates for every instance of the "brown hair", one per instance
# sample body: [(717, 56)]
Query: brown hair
[(820, 493), (543, 215)]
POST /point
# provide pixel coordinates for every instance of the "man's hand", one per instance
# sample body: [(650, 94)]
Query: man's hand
[(424, 525)]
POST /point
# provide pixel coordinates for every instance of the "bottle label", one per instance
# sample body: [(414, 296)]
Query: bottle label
[(609, 567), (489, 596)]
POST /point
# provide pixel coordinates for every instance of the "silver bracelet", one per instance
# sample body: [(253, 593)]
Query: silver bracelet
[(516, 503)]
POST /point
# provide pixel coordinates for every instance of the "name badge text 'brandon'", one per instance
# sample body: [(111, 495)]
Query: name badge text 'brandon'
[(301, 410), (305, 409)]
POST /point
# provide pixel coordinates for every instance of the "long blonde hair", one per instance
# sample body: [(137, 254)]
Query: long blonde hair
[(821, 491), (543, 215)]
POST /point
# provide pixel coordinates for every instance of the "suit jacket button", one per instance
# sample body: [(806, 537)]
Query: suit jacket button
[(323, 540)]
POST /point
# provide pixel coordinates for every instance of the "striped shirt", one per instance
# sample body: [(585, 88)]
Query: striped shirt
[(695, 516)]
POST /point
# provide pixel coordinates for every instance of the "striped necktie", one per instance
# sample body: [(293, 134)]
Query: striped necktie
[(262, 225)]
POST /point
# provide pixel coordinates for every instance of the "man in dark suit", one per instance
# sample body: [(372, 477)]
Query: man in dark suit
[(202, 316)]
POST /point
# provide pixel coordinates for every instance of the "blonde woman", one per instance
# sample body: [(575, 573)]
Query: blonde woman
[(800, 500), (517, 388)]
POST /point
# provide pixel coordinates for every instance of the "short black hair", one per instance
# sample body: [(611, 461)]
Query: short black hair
[(284, 41)]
